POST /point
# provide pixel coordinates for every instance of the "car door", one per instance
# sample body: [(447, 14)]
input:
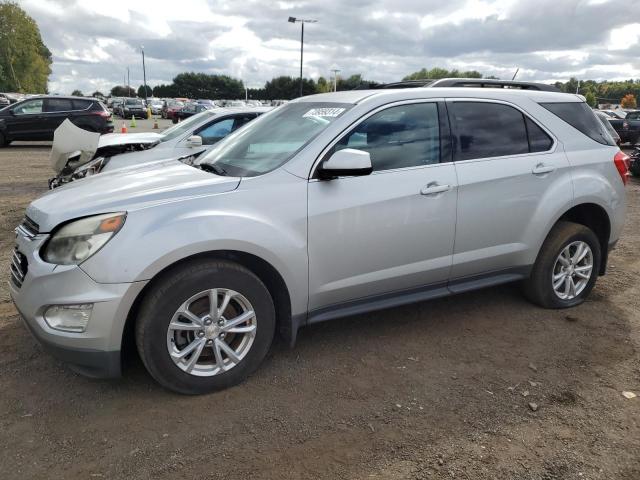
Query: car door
[(27, 122), (56, 111), (392, 231), (506, 163)]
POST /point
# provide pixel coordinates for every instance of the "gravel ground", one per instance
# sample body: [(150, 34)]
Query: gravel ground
[(434, 390)]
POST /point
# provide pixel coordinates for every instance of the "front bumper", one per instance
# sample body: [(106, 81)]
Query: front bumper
[(94, 352)]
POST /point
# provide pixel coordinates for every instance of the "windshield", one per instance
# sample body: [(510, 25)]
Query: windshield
[(181, 128), (275, 137), (133, 101)]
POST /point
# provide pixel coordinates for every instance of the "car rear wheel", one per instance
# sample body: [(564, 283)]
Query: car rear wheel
[(566, 268), (205, 326), (3, 140)]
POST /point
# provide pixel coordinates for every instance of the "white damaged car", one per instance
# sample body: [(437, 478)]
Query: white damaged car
[(77, 153)]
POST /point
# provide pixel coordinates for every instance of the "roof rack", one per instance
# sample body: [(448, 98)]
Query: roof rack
[(471, 82)]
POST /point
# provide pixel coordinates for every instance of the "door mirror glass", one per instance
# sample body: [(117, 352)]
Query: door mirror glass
[(344, 163), (194, 141)]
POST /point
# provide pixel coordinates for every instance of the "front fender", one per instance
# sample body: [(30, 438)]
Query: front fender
[(272, 227)]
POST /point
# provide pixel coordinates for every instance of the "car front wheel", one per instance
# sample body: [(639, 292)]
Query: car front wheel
[(566, 268), (205, 326)]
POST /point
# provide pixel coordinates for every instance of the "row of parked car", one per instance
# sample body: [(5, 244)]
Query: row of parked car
[(329, 206), (624, 123), (175, 109)]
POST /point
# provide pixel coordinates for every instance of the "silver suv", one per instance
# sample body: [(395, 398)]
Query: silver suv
[(329, 206)]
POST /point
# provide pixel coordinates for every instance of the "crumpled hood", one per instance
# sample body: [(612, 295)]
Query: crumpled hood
[(79, 145), (110, 139), (126, 190)]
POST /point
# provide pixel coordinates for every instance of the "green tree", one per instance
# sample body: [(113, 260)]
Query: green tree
[(202, 85), (437, 73), (322, 86), (97, 94), (286, 88), (77, 93), (122, 91), (25, 61), (591, 99), (141, 91)]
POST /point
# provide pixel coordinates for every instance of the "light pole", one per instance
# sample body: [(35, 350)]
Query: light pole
[(144, 74), (335, 79), (128, 84), (301, 21)]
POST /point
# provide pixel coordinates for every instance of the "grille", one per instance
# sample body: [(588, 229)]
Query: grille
[(31, 227), (19, 266)]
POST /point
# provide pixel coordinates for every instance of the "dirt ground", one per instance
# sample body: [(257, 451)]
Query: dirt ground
[(433, 390)]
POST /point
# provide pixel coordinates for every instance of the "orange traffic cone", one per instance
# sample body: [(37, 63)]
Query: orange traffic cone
[(124, 128)]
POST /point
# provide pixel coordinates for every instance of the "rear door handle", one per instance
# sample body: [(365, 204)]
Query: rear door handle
[(541, 169), (434, 188)]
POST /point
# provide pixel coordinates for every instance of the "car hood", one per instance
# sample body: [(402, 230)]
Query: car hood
[(73, 146), (126, 190)]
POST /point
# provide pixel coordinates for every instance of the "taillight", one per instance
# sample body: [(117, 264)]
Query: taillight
[(102, 113), (622, 162)]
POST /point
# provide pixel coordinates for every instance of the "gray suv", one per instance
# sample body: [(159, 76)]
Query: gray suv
[(326, 207)]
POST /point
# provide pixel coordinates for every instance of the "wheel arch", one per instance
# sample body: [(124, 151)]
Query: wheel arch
[(596, 218), (267, 273)]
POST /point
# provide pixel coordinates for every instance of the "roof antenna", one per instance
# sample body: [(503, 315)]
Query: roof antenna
[(514, 75)]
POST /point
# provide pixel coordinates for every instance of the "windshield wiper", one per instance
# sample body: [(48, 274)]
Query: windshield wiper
[(213, 168)]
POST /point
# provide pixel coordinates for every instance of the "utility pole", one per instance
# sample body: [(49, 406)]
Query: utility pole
[(144, 74), (128, 84), (335, 79), (301, 21)]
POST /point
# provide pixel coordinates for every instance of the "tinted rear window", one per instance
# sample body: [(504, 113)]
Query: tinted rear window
[(633, 116), (58, 105), (580, 116), (488, 130)]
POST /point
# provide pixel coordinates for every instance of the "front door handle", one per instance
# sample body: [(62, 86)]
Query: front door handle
[(434, 188), (541, 169)]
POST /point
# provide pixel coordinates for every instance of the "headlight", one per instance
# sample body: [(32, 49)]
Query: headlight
[(89, 168), (74, 242)]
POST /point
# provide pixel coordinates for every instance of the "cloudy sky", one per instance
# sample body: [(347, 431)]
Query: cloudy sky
[(93, 41)]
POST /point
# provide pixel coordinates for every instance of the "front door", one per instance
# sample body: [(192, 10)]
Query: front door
[(28, 122), (391, 231)]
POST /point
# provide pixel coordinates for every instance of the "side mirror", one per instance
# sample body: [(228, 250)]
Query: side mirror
[(194, 141), (346, 163)]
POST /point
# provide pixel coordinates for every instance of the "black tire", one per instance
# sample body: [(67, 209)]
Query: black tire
[(174, 120), (538, 288), (170, 292), (3, 140)]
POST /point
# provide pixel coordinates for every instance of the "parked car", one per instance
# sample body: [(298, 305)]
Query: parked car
[(170, 108), (37, 118), (616, 113), (331, 205), (156, 105), (10, 98), (608, 123), (630, 131), (133, 107), (189, 110), (75, 154)]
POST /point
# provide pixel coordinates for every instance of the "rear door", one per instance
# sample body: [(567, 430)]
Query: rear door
[(507, 165), (391, 231), (56, 111)]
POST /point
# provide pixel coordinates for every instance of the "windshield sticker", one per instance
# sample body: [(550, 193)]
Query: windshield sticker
[(324, 112)]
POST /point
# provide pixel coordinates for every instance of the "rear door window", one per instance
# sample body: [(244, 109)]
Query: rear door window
[(484, 129), (580, 116), (58, 105)]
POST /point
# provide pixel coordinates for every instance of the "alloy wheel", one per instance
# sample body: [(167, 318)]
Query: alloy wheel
[(572, 270)]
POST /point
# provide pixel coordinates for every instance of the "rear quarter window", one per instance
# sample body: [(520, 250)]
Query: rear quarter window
[(580, 116), (81, 104)]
